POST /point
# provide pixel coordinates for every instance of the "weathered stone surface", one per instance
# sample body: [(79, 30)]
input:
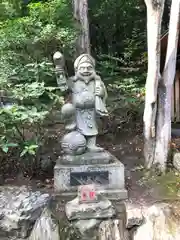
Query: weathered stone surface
[(98, 210), (67, 230), (114, 183), (134, 215), (87, 228), (162, 222), (113, 229), (73, 143), (176, 161), (88, 100), (103, 157), (19, 209), (46, 227), (11, 238)]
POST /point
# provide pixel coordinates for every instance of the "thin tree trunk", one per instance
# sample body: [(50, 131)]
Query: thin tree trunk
[(163, 137), (154, 18), (81, 17)]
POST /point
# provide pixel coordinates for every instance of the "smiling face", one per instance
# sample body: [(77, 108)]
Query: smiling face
[(86, 69)]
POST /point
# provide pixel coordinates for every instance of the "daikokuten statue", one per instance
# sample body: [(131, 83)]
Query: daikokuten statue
[(88, 96)]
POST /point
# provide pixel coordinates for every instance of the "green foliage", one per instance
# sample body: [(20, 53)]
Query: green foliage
[(48, 27), (167, 185), (22, 125), (31, 31), (119, 27), (126, 98), (28, 40), (10, 9)]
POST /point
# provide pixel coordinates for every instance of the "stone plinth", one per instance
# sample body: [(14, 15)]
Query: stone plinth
[(108, 177), (102, 209), (102, 157)]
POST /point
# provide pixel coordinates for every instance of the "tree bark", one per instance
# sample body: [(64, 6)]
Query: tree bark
[(163, 137), (81, 17), (154, 18), (157, 113)]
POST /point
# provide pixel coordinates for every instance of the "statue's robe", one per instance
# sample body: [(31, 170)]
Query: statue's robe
[(84, 100)]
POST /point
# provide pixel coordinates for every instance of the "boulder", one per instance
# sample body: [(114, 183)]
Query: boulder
[(46, 227), (113, 229), (19, 209), (97, 210), (25, 213), (87, 228), (134, 215), (162, 222)]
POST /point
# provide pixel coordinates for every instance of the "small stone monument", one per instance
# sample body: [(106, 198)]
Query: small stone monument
[(94, 215), (86, 207), (82, 161)]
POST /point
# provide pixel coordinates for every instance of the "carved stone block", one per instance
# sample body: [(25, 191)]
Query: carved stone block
[(109, 178), (98, 210), (103, 157)]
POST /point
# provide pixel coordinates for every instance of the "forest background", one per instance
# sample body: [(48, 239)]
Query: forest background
[(30, 33)]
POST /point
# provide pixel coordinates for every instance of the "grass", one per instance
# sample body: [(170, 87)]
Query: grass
[(168, 185)]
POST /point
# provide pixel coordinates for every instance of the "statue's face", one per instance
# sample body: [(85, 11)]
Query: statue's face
[(86, 70)]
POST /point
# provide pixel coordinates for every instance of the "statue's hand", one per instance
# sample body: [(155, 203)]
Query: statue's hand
[(98, 91), (100, 107)]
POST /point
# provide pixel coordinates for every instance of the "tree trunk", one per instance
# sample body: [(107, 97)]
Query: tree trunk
[(163, 137), (81, 17), (154, 18)]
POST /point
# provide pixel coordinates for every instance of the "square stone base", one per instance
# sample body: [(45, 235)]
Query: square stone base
[(109, 179)]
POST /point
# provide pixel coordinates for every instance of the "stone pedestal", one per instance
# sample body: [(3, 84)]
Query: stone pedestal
[(108, 177)]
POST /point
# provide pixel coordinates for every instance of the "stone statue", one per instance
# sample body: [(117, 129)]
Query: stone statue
[(82, 161), (88, 96)]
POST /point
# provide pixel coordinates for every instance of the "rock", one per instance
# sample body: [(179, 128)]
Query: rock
[(11, 238), (98, 210), (161, 222), (176, 161), (134, 216), (113, 229), (46, 227), (19, 209), (87, 227)]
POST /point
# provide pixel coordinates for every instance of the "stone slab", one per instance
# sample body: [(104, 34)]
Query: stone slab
[(96, 210), (113, 187), (111, 194), (102, 157)]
